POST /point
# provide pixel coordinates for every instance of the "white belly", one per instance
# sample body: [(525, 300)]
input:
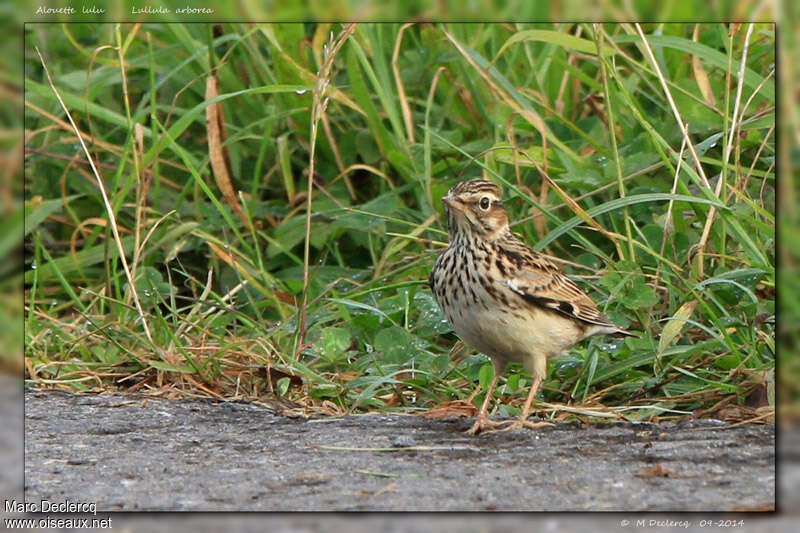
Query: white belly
[(539, 334)]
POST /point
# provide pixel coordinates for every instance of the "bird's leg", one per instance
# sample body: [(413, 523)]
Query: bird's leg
[(483, 421), (522, 421)]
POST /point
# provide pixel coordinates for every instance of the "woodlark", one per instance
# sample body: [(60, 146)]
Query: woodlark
[(503, 298)]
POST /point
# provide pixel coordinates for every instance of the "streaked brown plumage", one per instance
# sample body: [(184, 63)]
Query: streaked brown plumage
[(503, 298)]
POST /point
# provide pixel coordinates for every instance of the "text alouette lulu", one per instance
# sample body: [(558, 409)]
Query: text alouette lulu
[(145, 10)]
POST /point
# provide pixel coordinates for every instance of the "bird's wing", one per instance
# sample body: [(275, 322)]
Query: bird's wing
[(540, 282)]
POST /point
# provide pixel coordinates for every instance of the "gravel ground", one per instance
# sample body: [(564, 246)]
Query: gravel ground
[(11, 487), (11, 416), (127, 453)]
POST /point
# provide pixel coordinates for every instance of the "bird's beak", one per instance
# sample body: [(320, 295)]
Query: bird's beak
[(452, 201)]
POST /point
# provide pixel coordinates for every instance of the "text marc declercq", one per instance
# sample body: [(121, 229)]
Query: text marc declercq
[(46, 506)]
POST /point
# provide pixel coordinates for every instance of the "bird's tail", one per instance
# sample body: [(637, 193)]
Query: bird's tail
[(619, 332)]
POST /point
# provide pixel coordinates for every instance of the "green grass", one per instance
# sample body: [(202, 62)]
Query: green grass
[(11, 190), (237, 293)]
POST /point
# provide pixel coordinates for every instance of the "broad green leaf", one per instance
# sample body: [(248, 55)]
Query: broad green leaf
[(486, 375), (333, 342), (395, 343), (558, 38)]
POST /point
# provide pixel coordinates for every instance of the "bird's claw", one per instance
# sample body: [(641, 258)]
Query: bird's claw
[(484, 425), (519, 424)]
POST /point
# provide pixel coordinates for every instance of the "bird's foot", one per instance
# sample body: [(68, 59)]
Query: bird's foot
[(484, 425), (520, 423)]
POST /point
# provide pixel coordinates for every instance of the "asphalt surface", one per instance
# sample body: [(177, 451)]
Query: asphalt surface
[(129, 453)]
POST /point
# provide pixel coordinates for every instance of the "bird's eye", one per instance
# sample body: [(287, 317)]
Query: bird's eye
[(485, 203)]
